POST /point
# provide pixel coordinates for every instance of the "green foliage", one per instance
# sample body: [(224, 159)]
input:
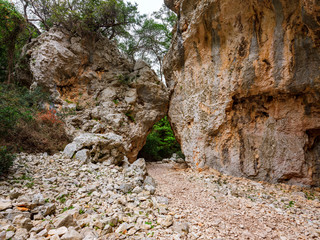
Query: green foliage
[(15, 32), (160, 143), (85, 17), (151, 38), (11, 26), (24, 126), (18, 103), (10, 19), (130, 116), (6, 159)]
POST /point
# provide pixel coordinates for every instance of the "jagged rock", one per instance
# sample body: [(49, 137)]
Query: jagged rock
[(165, 221), (150, 181), (9, 235), (5, 204), (83, 155), (181, 227), (103, 147), (64, 220), (23, 222), (72, 235), (59, 231), (48, 209), (43, 233), (245, 78), (123, 227), (21, 234), (99, 90), (126, 187), (14, 194)]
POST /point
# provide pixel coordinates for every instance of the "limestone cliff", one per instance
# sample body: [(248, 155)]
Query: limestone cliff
[(110, 104), (245, 76)]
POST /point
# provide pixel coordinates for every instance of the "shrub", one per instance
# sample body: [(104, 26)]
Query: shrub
[(6, 159), (25, 126), (49, 117), (161, 142)]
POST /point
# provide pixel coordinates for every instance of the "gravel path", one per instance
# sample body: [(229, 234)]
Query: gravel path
[(215, 206)]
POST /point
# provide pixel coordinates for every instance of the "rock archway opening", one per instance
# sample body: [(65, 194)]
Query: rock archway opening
[(161, 143)]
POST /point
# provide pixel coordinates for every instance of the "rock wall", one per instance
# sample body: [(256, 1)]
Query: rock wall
[(245, 76), (110, 104)]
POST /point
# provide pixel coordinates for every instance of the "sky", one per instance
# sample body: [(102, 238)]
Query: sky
[(148, 6)]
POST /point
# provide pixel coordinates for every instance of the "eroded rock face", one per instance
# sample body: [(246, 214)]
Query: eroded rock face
[(110, 104), (246, 80)]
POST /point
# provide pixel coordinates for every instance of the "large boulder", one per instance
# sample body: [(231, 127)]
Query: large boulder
[(110, 104), (246, 87)]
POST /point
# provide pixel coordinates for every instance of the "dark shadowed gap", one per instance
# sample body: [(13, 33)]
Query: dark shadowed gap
[(161, 143)]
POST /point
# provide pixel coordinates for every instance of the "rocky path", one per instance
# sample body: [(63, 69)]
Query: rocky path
[(212, 206), (55, 197)]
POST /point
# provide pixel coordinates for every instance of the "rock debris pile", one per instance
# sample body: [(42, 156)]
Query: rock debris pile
[(53, 197)]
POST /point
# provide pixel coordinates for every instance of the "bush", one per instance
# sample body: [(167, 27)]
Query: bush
[(161, 143), (25, 126), (6, 159)]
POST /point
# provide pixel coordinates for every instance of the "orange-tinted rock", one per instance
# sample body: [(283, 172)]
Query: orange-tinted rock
[(245, 77)]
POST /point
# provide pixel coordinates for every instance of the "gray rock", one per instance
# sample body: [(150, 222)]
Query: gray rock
[(9, 235), (83, 155), (14, 193), (21, 234), (23, 222), (38, 199), (140, 64), (126, 187), (137, 189), (123, 227), (64, 220), (150, 181), (72, 235), (42, 233), (150, 188), (70, 150), (165, 221), (48, 209), (112, 221), (89, 234), (181, 227), (5, 204), (59, 231), (3, 235)]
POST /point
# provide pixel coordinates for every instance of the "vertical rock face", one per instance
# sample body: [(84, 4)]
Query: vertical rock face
[(245, 77), (110, 104)]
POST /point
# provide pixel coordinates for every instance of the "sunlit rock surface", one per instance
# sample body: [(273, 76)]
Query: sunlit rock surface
[(246, 77)]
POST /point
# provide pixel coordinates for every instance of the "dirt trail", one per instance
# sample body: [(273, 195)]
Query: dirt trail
[(224, 207)]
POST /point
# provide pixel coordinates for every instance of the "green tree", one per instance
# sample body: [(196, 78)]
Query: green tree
[(12, 25), (84, 17), (151, 38), (161, 142)]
